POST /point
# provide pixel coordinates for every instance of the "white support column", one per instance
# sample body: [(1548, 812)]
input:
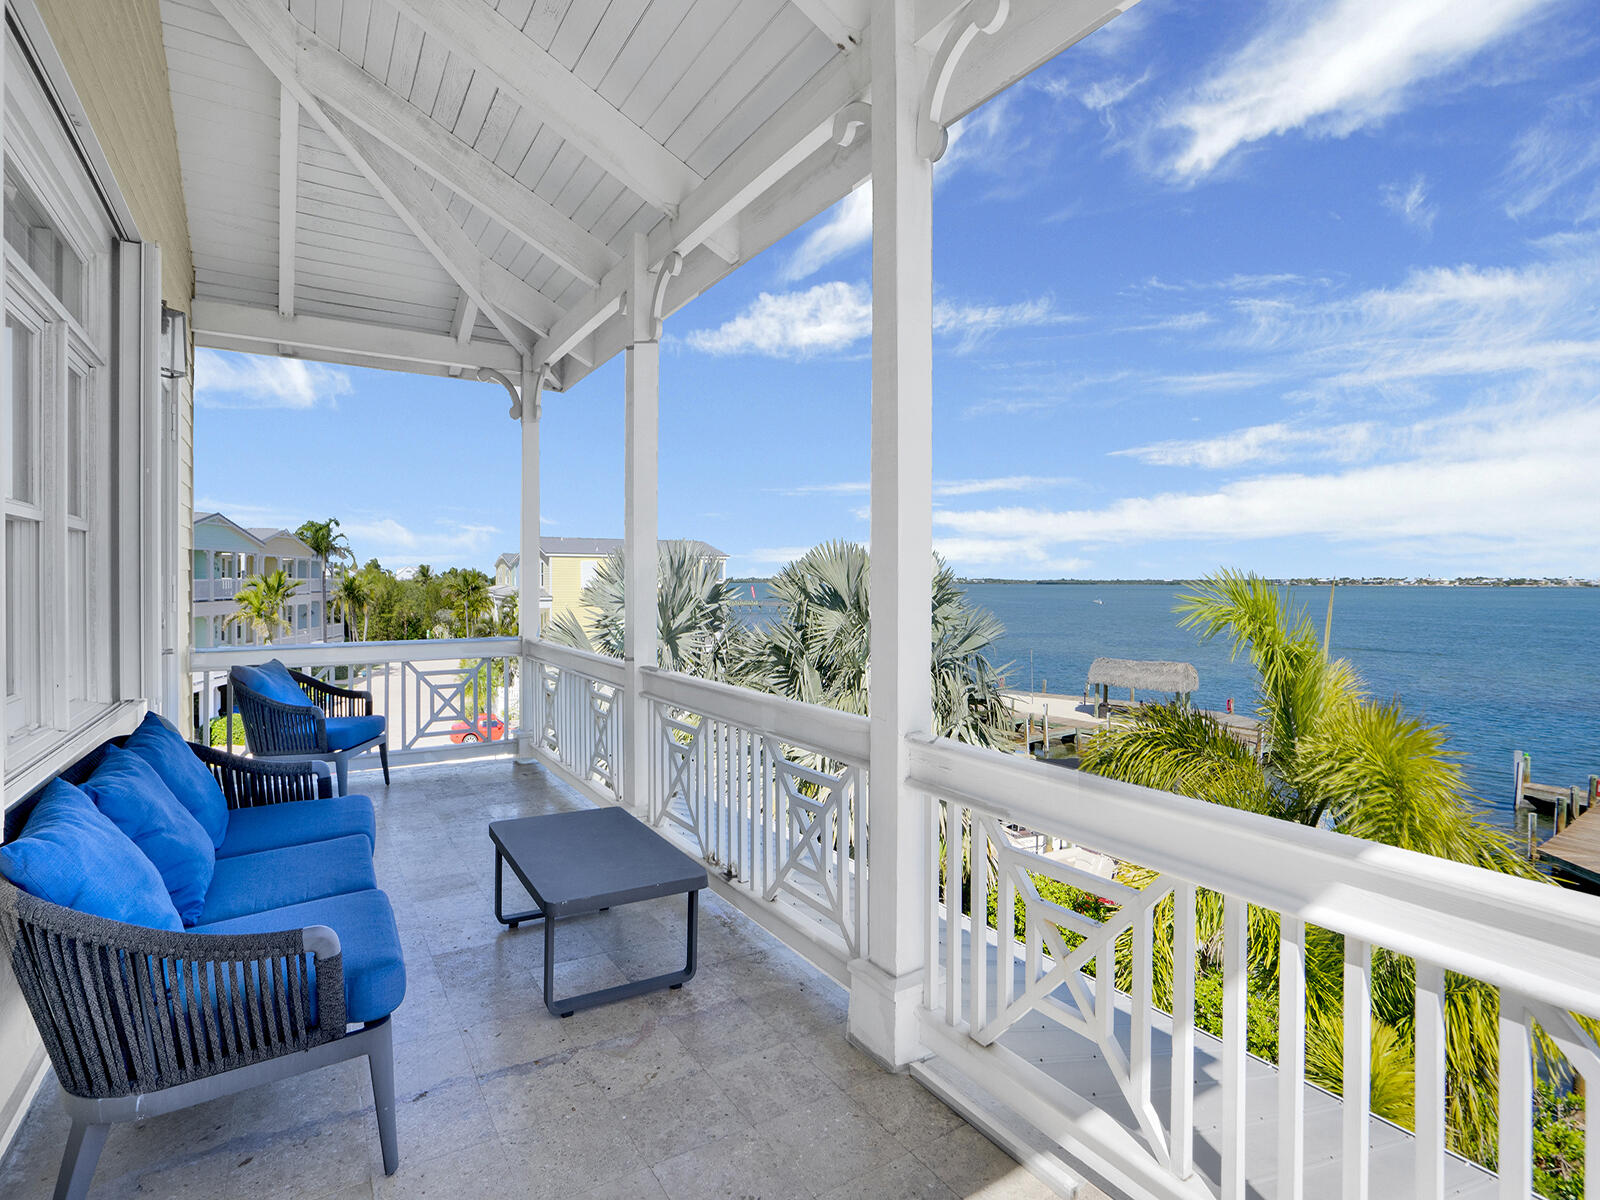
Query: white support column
[(886, 984), (641, 467), (530, 695)]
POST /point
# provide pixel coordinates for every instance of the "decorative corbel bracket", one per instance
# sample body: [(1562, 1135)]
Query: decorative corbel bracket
[(545, 374), (979, 17), (851, 123), (670, 266)]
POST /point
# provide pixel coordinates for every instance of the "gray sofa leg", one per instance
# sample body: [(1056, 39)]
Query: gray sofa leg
[(381, 1059), (78, 1161), (383, 757), (341, 767)]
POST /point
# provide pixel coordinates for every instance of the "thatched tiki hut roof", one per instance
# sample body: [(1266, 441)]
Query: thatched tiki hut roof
[(1179, 678)]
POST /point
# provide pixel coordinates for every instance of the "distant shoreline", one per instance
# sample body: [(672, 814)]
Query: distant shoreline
[(1472, 582)]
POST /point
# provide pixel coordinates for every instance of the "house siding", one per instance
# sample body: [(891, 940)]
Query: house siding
[(118, 67)]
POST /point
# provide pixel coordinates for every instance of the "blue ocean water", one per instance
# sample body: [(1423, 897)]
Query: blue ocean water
[(1502, 669)]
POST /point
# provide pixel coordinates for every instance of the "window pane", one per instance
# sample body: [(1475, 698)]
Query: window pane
[(77, 466), (36, 237), (22, 624), (22, 402)]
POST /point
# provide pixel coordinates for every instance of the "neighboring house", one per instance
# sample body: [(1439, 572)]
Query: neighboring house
[(566, 565), (226, 554)]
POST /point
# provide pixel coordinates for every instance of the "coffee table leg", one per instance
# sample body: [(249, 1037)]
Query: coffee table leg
[(514, 919), (673, 979)]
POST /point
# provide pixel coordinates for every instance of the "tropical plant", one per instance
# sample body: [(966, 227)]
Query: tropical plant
[(507, 619), (696, 631), (818, 650), (467, 589), (261, 600), (1330, 756), (329, 545), (352, 599)]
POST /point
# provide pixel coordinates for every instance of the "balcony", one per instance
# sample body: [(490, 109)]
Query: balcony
[(215, 589)]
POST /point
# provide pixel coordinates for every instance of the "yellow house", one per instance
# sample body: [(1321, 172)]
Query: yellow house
[(566, 565)]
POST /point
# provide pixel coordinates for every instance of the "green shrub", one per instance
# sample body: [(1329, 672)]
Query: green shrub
[(1558, 1120), (219, 732)]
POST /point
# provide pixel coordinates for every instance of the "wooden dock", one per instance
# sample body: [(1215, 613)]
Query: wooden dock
[(1575, 850)]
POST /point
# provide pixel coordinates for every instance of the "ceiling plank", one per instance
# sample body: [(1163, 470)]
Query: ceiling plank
[(522, 68), (840, 21), (288, 196), (321, 72)]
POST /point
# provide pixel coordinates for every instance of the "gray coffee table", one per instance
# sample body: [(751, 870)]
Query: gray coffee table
[(586, 862)]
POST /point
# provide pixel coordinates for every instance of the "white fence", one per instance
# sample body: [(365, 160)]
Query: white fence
[(1028, 1021), (580, 713), (443, 698)]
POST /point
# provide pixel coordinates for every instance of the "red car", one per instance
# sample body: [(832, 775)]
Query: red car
[(484, 729)]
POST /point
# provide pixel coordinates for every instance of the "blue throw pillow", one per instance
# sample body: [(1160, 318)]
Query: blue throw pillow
[(127, 789), (71, 854), (163, 747), (272, 681)]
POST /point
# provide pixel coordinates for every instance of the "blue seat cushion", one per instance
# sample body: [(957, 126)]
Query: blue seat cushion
[(369, 944), (272, 681), (163, 747), (344, 732), (127, 789), (251, 883), (71, 854), (273, 826)]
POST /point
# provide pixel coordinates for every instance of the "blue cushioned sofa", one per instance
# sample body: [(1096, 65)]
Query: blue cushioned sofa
[(185, 924)]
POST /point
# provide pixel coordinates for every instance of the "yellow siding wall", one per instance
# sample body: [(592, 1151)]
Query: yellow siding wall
[(566, 586), (115, 58)]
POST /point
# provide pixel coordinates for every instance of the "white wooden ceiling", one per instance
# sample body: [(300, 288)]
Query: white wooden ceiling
[(445, 184)]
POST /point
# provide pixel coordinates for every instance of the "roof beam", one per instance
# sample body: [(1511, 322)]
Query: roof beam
[(288, 196), (461, 325), (242, 326), (319, 72), (402, 189), (519, 66)]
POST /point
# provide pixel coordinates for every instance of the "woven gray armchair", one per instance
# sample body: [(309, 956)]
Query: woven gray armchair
[(139, 1022), (292, 716)]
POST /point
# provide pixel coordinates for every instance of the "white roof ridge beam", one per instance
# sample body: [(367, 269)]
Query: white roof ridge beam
[(219, 320), (840, 21), (710, 212), (519, 66)]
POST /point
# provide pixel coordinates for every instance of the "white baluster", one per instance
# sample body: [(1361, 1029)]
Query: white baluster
[(952, 912), (1235, 1015), (1516, 1099), (1430, 1074), (930, 983), (1357, 1066), (1141, 952), (1005, 933), (1291, 1058), (1183, 967), (978, 974)]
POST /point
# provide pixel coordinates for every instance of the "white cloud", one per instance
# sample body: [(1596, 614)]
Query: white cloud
[(1410, 202), (941, 487), (444, 541), (1512, 482), (226, 380), (1555, 164), (1332, 68), (833, 316), (1272, 443), (773, 556)]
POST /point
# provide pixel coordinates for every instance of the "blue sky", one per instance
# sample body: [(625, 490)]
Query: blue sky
[(1301, 288)]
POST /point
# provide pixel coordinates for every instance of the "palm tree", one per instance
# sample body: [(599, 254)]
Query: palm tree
[(329, 545), (1334, 757), (696, 631), (261, 600), (351, 596), (818, 649), (469, 589)]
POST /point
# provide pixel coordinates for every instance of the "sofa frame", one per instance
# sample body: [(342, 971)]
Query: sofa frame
[(138, 1022)]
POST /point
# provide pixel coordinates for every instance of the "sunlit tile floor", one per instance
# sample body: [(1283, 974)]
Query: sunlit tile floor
[(740, 1085)]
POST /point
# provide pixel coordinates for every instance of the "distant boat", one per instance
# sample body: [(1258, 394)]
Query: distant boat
[(1099, 601)]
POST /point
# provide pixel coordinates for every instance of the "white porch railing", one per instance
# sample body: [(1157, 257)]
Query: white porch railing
[(771, 793), (215, 589), (444, 698), (578, 723), (1165, 1111)]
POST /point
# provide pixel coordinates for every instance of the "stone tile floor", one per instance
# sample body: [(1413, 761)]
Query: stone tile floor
[(741, 1085)]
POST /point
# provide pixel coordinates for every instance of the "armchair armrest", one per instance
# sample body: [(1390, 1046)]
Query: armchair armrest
[(335, 701), (249, 782), (145, 1009)]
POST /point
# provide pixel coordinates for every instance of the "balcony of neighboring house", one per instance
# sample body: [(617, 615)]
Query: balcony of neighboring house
[(868, 1018)]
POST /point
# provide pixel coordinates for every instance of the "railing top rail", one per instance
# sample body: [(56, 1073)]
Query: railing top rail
[(839, 735), (1540, 941), (327, 654), (603, 667)]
